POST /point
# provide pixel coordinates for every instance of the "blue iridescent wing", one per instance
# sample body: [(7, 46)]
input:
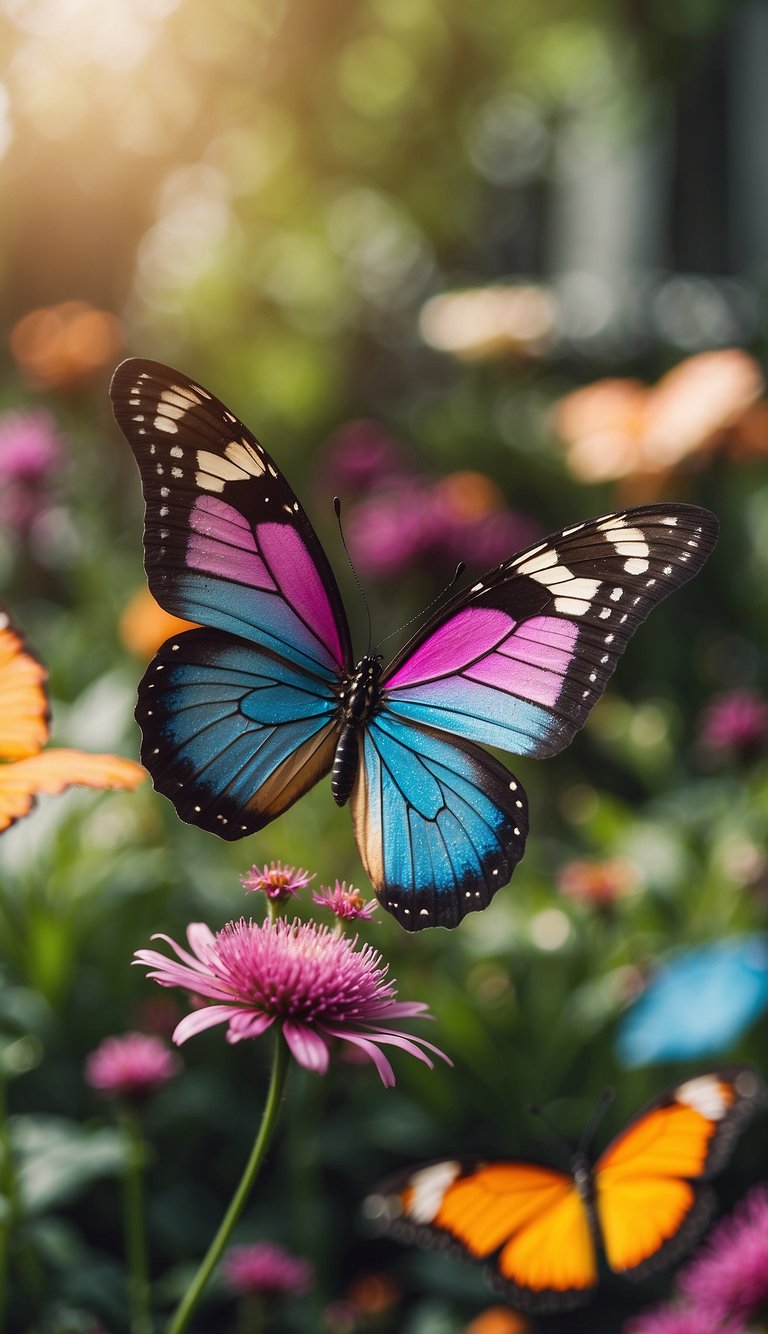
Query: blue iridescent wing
[(226, 542), (440, 825), (233, 734), (518, 660)]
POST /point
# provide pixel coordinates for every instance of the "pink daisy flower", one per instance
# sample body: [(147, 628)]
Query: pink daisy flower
[(729, 1274), (276, 881), (130, 1066), (265, 1270), (314, 984), (345, 903)]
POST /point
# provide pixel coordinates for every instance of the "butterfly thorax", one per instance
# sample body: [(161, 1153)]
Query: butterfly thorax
[(581, 1170), (358, 698)]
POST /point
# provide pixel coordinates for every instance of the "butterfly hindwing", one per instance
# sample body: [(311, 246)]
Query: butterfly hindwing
[(518, 660), (440, 824), (233, 734), (226, 542)]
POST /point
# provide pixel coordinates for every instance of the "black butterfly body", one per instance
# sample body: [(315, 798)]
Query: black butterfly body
[(242, 716)]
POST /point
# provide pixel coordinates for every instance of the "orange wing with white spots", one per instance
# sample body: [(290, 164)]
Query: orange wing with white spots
[(26, 770), (649, 1198), (528, 1223)]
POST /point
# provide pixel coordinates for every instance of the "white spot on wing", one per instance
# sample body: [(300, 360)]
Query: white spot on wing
[(428, 1186), (705, 1095)]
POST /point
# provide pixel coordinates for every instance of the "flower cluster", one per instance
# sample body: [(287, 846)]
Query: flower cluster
[(317, 986), (346, 903), (726, 1282)]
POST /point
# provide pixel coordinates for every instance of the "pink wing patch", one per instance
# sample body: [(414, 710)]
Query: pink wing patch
[(295, 574), (486, 645), (222, 542)]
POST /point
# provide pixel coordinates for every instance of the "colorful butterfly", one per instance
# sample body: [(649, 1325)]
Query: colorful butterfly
[(240, 718), (540, 1231), (28, 770)]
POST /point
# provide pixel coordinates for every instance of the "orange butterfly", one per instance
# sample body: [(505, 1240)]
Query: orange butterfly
[(24, 726), (541, 1231)]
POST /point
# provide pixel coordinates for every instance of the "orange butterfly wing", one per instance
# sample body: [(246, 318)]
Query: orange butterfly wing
[(647, 1183), (29, 770), (24, 708), (527, 1222), (54, 770)]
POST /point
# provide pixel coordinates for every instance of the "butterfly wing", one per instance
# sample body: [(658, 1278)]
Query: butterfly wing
[(226, 543), (518, 660), (526, 1223), (52, 771), (648, 1183), (236, 719), (233, 734), (440, 824), (24, 715)]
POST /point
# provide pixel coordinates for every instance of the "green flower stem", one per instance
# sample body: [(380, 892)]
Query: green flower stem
[(261, 1143), (134, 1231)]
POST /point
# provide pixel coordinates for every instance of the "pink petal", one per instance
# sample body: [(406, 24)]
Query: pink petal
[(400, 1039), (306, 1046), (248, 1024), (199, 1020), (171, 974), (404, 1010), (385, 1070)]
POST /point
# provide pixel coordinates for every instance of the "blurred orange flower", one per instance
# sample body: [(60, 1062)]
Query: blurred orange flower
[(66, 345), (144, 626), (598, 884), (498, 1320), (481, 322), (372, 1294), (27, 770), (615, 429)]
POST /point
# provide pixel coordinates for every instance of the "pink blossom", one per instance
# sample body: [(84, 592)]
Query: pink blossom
[(729, 1273), (680, 1320), (345, 903), (130, 1066), (276, 881), (736, 722), (362, 453), (316, 985), (30, 451), (265, 1269)]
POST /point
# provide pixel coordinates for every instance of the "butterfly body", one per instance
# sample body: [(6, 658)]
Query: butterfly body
[(358, 698), (545, 1234), (241, 717)]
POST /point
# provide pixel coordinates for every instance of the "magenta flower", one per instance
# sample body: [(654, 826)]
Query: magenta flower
[(680, 1320), (345, 903), (729, 1273), (276, 881), (361, 454), (266, 1270), (736, 722), (314, 984), (130, 1066), (30, 451)]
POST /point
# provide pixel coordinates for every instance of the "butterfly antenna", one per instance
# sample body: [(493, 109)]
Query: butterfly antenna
[(603, 1103), (460, 568), (563, 1144), (337, 511)]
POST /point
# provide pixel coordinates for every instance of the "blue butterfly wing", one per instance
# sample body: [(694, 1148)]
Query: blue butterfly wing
[(233, 735), (699, 1003), (226, 542), (440, 824), (518, 660)]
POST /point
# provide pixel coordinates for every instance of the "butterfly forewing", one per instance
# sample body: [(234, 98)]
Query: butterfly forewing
[(226, 542), (519, 659)]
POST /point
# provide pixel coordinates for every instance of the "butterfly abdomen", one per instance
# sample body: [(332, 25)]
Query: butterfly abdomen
[(358, 697)]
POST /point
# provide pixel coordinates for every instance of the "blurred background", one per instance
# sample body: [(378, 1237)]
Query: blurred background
[(483, 271)]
